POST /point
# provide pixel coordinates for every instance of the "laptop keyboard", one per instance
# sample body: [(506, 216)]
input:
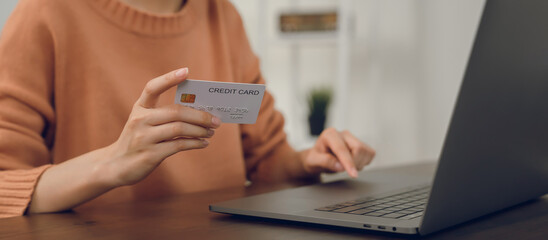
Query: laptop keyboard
[(404, 205)]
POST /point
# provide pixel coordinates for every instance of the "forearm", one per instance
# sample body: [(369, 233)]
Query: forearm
[(71, 183)]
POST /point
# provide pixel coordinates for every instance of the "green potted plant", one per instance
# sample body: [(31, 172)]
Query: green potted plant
[(318, 104)]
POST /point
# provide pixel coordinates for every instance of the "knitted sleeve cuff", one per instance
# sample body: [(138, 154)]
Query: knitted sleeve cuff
[(16, 189)]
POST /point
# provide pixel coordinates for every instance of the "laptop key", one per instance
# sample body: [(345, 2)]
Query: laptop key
[(366, 199), (361, 211), (367, 204), (347, 204), (336, 206), (384, 211), (394, 215), (392, 209), (374, 214), (347, 209), (328, 208), (325, 209), (416, 209), (407, 211), (376, 207), (383, 205), (411, 216)]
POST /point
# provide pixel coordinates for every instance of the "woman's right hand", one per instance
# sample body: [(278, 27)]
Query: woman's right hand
[(153, 133)]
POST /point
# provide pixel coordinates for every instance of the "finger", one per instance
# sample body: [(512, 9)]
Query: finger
[(168, 148), (180, 113), (155, 87), (169, 131), (330, 162), (323, 162), (363, 154), (336, 144)]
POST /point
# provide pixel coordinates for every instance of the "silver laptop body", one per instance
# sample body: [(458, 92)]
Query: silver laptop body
[(495, 153)]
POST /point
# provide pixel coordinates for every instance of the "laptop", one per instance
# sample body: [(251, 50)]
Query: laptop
[(495, 153)]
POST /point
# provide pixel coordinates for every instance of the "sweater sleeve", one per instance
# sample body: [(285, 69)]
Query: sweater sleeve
[(26, 112), (264, 141)]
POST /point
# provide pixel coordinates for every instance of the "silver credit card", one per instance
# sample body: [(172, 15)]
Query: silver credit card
[(231, 102)]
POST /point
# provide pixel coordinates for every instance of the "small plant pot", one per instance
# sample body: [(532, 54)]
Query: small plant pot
[(316, 124), (318, 103)]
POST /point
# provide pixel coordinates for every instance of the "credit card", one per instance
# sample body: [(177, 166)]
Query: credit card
[(231, 102)]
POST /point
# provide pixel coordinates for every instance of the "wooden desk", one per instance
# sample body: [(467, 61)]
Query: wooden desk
[(188, 217)]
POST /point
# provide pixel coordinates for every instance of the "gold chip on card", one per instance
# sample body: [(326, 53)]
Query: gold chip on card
[(188, 98)]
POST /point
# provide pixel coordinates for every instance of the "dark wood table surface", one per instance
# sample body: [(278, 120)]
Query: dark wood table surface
[(188, 217)]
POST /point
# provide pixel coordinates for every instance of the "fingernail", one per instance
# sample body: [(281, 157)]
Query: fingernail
[(354, 173), (338, 167), (216, 121), (205, 142), (181, 72), (210, 132)]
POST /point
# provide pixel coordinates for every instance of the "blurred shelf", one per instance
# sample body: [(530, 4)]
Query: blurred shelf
[(310, 39), (324, 38)]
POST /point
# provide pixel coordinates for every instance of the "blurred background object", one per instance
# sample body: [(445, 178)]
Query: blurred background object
[(319, 100), (394, 66), (6, 6), (317, 21)]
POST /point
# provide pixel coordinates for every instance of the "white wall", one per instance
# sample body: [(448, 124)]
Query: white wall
[(407, 61), (447, 33), (6, 6)]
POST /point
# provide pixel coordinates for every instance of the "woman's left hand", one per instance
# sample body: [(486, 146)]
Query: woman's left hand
[(336, 151)]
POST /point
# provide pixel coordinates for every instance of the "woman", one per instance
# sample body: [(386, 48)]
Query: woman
[(71, 72)]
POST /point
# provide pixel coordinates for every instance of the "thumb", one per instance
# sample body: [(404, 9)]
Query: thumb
[(155, 87)]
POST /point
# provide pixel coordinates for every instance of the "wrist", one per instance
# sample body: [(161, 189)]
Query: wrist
[(304, 171), (103, 172), (71, 183)]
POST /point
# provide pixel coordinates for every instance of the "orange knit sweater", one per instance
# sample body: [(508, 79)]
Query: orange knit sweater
[(70, 72)]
